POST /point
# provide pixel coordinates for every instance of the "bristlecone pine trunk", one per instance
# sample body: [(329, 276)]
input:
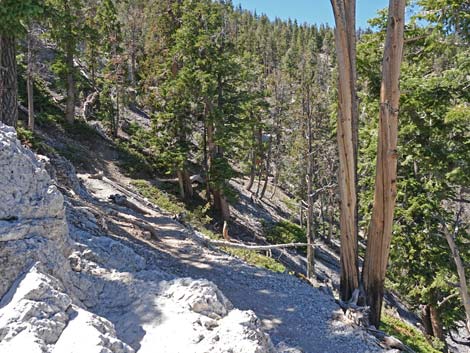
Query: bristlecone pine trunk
[(345, 36), (8, 81), (380, 230)]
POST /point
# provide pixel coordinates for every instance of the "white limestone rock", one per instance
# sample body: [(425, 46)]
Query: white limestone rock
[(37, 316), (196, 317), (33, 226)]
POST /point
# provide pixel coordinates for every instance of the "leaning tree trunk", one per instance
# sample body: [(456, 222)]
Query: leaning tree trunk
[(8, 81), (380, 230), (345, 36)]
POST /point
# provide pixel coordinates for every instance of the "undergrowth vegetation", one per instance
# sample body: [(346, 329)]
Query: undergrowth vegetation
[(409, 335), (198, 218)]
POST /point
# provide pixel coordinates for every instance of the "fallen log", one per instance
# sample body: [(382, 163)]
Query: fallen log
[(228, 244)]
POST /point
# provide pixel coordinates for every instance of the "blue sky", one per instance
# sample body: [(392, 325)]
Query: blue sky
[(310, 11)]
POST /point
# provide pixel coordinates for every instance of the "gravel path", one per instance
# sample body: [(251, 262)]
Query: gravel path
[(291, 311)]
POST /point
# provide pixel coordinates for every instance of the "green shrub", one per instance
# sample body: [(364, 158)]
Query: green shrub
[(284, 232), (409, 335)]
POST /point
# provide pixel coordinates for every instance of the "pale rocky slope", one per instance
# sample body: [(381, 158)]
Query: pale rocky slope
[(78, 275)]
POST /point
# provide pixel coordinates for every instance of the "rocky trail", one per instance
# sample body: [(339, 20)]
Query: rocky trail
[(102, 282)]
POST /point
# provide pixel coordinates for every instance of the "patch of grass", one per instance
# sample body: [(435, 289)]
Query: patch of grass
[(257, 259), (199, 219), (409, 335), (284, 232)]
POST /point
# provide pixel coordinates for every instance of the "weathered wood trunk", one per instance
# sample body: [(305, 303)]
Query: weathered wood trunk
[(251, 180), (345, 37), (29, 83), (8, 81), (268, 169), (463, 288), (380, 229), (436, 322), (70, 103), (185, 184), (310, 249), (426, 319)]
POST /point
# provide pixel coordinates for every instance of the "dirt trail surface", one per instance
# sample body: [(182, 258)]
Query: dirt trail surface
[(291, 311)]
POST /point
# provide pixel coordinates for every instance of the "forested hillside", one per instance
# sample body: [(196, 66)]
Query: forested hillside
[(202, 95)]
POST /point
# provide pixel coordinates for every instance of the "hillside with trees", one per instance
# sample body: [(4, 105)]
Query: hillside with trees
[(337, 155)]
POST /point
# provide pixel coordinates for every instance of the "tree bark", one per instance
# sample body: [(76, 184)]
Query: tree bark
[(253, 164), (185, 184), (380, 230), (70, 104), (436, 322), (29, 83), (310, 249), (268, 170), (345, 37), (426, 319), (463, 288), (220, 201), (8, 81)]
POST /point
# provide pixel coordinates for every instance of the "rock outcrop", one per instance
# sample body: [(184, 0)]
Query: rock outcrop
[(33, 226), (70, 288)]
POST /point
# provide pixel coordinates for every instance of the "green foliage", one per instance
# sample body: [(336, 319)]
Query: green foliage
[(32, 140), (409, 335), (15, 14), (284, 232)]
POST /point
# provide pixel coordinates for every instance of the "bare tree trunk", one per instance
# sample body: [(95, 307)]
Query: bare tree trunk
[(206, 158), (463, 288), (426, 319), (345, 36), (268, 167), (8, 81), (253, 164), (116, 117), (29, 83), (70, 105), (185, 184), (179, 173), (380, 230), (436, 322), (310, 249)]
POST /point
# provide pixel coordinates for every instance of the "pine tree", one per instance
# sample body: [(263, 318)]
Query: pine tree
[(15, 15)]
